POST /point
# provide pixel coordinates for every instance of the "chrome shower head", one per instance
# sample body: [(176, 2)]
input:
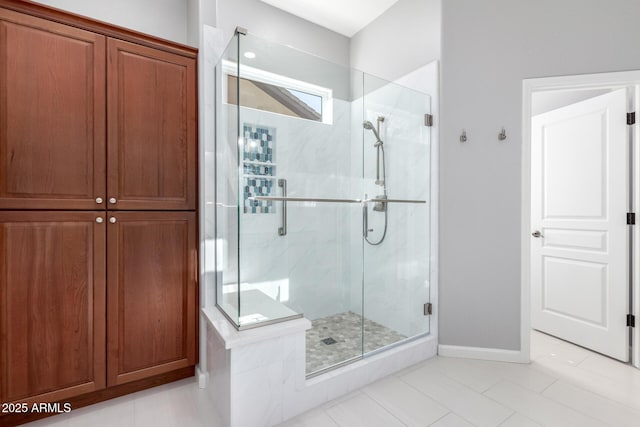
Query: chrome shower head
[(368, 125)]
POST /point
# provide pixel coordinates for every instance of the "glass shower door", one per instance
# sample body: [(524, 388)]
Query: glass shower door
[(300, 217), (322, 178), (396, 244)]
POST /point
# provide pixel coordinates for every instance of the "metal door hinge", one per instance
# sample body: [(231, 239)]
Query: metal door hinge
[(631, 118), (241, 30), (631, 320), (428, 120), (631, 218), (428, 309)]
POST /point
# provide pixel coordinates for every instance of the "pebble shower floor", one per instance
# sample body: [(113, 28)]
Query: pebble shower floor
[(345, 330)]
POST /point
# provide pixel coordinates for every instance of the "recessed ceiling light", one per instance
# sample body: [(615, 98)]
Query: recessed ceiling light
[(249, 55)]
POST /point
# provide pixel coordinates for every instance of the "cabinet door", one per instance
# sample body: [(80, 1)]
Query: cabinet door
[(52, 115), (152, 135), (52, 305), (151, 294)]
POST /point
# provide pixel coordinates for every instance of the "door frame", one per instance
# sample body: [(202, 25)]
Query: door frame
[(616, 80)]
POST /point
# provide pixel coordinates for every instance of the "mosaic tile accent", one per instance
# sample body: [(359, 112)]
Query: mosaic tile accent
[(346, 330), (258, 187), (259, 142)]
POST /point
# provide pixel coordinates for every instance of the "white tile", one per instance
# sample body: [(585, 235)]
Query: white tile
[(522, 374), (209, 416), (405, 402), (315, 418), (339, 385), (341, 399), (480, 375), (59, 420), (614, 370), (474, 375), (562, 351), (256, 397), (119, 412), (252, 356), (593, 405), (168, 407), (538, 408), (361, 411), (519, 420), (414, 367), (298, 400), (471, 405), (452, 420), (624, 393)]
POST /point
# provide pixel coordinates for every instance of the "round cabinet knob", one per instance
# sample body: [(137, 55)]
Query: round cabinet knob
[(99, 220), (98, 200), (113, 220), (112, 200)]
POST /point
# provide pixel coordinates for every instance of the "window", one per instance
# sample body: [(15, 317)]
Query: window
[(278, 94)]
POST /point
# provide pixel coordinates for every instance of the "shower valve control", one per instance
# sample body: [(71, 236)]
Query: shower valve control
[(380, 205)]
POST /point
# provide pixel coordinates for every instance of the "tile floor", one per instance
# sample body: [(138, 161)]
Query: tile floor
[(564, 386), (346, 330)]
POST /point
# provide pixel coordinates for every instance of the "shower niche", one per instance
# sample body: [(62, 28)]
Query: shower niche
[(319, 207)]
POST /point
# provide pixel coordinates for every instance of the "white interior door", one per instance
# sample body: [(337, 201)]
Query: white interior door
[(579, 200)]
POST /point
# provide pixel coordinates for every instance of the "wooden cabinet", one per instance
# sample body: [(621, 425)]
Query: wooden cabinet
[(94, 294), (60, 99), (52, 114), (52, 305), (152, 128), (152, 307)]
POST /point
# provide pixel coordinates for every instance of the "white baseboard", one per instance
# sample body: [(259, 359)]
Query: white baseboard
[(494, 354), (203, 377)]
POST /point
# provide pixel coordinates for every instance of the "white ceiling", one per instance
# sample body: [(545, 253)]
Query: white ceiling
[(346, 17)]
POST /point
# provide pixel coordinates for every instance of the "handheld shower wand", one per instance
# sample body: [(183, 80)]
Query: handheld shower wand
[(379, 146), (369, 126), (379, 206)]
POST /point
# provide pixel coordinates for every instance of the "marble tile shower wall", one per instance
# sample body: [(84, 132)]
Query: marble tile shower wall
[(395, 271), (309, 269)]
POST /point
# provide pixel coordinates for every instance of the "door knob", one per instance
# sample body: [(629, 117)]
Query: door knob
[(537, 234), (98, 200), (112, 200), (113, 220), (99, 220)]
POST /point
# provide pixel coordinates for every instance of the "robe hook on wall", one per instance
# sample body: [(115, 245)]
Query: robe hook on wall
[(502, 135), (463, 136)]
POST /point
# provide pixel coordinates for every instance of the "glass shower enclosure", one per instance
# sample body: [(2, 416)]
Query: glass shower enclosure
[(317, 201)]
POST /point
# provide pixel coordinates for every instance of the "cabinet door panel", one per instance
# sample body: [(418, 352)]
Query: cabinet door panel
[(52, 115), (152, 304), (152, 128), (52, 305)]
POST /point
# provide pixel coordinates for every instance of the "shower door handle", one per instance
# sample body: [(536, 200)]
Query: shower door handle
[(282, 231), (365, 219)]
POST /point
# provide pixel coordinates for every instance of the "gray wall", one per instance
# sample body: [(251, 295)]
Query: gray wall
[(542, 102), (405, 37), (161, 18), (488, 47), (273, 24)]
